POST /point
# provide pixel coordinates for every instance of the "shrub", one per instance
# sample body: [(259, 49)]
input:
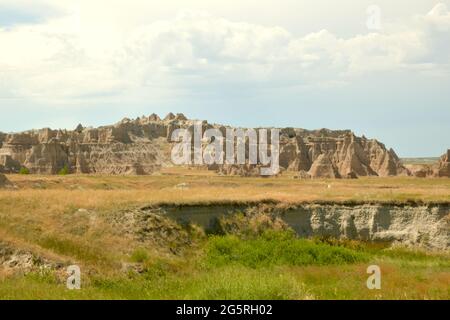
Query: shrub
[(24, 170), (64, 171), (139, 255), (248, 224)]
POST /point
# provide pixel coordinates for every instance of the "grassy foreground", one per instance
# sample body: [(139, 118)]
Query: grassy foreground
[(68, 220), (274, 266)]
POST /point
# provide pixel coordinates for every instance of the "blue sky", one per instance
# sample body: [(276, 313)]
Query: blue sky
[(265, 63)]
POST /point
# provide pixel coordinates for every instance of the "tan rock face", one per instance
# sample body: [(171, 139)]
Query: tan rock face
[(425, 226), (439, 169), (443, 169), (323, 167), (129, 147), (245, 170), (338, 154), (142, 145)]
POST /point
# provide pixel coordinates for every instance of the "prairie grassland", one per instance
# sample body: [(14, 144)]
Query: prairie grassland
[(207, 273), (206, 187), (65, 219)]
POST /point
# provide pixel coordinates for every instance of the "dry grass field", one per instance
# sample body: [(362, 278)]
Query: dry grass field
[(65, 220), (203, 186)]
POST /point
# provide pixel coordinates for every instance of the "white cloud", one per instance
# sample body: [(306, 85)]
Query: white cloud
[(78, 55)]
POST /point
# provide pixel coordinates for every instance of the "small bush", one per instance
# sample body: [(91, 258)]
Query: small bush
[(139, 255), (24, 170), (247, 225), (64, 171)]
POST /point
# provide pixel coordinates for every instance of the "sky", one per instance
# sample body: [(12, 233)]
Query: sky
[(380, 68)]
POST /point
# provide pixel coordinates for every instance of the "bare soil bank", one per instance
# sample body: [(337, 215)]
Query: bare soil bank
[(418, 225)]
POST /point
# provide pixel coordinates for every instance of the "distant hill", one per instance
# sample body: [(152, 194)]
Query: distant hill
[(422, 160)]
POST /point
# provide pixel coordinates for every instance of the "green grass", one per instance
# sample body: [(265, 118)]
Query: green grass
[(277, 248), (223, 283), (64, 171), (24, 170), (80, 251), (139, 255), (275, 265)]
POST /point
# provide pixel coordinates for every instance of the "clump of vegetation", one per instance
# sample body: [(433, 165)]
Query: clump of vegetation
[(248, 224), (139, 255), (231, 282), (240, 283), (277, 248), (24, 170), (64, 171)]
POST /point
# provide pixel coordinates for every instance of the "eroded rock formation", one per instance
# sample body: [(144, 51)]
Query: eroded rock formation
[(424, 170), (426, 226), (128, 147), (336, 154), (143, 145), (443, 167)]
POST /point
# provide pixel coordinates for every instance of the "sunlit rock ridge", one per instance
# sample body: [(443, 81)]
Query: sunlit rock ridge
[(143, 146)]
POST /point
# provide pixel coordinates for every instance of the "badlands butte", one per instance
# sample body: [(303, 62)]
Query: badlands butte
[(143, 146)]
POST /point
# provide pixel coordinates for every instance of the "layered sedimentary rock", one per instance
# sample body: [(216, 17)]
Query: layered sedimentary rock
[(439, 169), (443, 167), (420, 170), (143, 145), (323, 167), (128, 147), (426, 226), (244, 170), (338, 154)]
